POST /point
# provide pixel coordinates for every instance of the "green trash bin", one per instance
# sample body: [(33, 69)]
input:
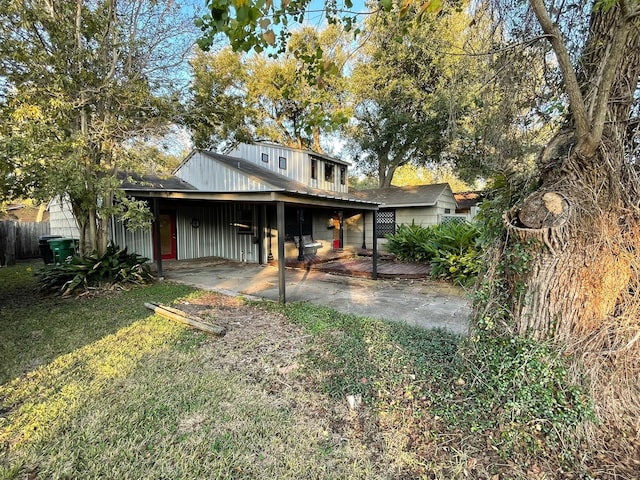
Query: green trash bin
[(62, 248)]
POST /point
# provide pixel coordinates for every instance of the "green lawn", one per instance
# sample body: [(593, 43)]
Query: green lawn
[(97, 387)]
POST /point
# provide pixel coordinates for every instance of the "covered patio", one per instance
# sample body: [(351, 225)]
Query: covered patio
[(253, 227)]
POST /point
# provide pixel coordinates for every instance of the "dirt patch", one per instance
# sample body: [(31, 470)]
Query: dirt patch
[(269, 351)]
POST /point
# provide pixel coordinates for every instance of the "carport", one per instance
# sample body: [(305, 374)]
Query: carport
[(267, 207)]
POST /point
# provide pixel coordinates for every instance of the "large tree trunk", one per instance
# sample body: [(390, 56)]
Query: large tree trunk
[(581, 224), (570, 261)]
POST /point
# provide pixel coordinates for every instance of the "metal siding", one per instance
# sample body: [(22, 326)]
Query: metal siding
[(298, 165), (140, 241), (215, 237), (206, 174)]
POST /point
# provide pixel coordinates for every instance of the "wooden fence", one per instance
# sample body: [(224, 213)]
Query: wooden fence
[(20, 240)]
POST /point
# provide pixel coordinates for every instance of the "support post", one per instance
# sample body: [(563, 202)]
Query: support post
[(341, 232), (364, 229), (158, 245), (300, 242), (261, 213), (281, 259), (374, 271)]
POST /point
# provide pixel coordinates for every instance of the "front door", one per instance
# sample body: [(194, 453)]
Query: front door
[(167, 236)]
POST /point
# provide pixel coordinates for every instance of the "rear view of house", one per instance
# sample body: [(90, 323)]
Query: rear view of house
[(238, 206)]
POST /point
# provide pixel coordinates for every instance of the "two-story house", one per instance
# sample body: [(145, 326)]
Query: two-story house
[(256, 204)]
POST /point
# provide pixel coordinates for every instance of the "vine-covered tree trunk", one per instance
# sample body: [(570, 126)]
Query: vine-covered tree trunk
[(581, 226)]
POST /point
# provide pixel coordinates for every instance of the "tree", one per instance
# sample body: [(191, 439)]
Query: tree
[(238, 98), (565, 268), (82, 83), (409, 90)]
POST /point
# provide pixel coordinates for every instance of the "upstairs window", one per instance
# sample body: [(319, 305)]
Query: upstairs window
[(343, 175), (282, 163), (265, 157), (314, 168), (328, 172)]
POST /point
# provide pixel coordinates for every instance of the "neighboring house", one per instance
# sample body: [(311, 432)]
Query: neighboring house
[(420, 204), (254, 205), (468, 203), (61, 219)]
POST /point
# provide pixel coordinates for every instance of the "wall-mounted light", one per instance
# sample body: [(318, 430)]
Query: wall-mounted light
[(195, 222)]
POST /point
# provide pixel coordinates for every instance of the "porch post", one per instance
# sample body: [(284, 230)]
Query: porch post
[(281, 259), (300, 242), (364, 229), (260, 241), (374, 272), (156, 227)]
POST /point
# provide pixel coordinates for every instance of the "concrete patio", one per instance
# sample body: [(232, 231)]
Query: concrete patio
[(419, 302)]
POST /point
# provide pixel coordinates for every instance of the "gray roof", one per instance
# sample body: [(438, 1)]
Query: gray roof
[(134, 181), (280, 182), (409, 196)]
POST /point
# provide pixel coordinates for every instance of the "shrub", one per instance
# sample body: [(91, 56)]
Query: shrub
[(115, 266), (450, 247)]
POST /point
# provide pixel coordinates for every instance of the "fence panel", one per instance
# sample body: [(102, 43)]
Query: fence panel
[(19, 240)]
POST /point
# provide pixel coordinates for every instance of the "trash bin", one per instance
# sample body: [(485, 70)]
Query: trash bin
[(45, 248), (62, 248)]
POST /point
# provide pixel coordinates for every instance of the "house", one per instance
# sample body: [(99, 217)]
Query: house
[(259, 203), (420, 204), (468, 203)]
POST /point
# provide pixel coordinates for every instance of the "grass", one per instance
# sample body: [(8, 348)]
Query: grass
[(118, 393), (97, 387)]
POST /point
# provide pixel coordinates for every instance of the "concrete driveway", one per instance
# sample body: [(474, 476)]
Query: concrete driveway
[(423, 303)]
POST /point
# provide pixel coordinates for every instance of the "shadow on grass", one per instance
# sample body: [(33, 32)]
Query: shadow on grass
[(35, 329)]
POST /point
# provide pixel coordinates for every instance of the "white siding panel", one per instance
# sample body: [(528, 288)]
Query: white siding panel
[(298, 165), (61, 219)]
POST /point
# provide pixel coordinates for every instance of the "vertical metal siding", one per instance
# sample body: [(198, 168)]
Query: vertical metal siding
[(140, 241), (215, 237), (298, 165), (206, 174)]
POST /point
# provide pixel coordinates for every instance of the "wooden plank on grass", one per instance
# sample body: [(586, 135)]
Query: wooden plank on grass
[(182, 317)]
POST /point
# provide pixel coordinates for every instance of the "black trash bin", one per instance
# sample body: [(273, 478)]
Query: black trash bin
[(45, 249)]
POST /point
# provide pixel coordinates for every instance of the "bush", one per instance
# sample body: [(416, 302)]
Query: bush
[(450, 247), (115, 266)]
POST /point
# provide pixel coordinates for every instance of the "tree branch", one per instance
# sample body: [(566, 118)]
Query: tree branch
[(576, 100), (609, 70)]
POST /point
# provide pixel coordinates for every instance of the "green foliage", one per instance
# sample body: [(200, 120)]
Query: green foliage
[(82, 83), (408, 98), (528, 388), (240, 98), (114, 266), (450, 247)]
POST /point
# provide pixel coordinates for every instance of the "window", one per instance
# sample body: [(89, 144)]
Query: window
[(265, 157), (447, 210), (343, 175), (282, 163), (244, 220), (386, 224), (314, 168), (328, 172)]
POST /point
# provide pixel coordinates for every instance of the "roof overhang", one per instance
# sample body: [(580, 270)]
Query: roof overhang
[(256, 197), (406, 205)]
